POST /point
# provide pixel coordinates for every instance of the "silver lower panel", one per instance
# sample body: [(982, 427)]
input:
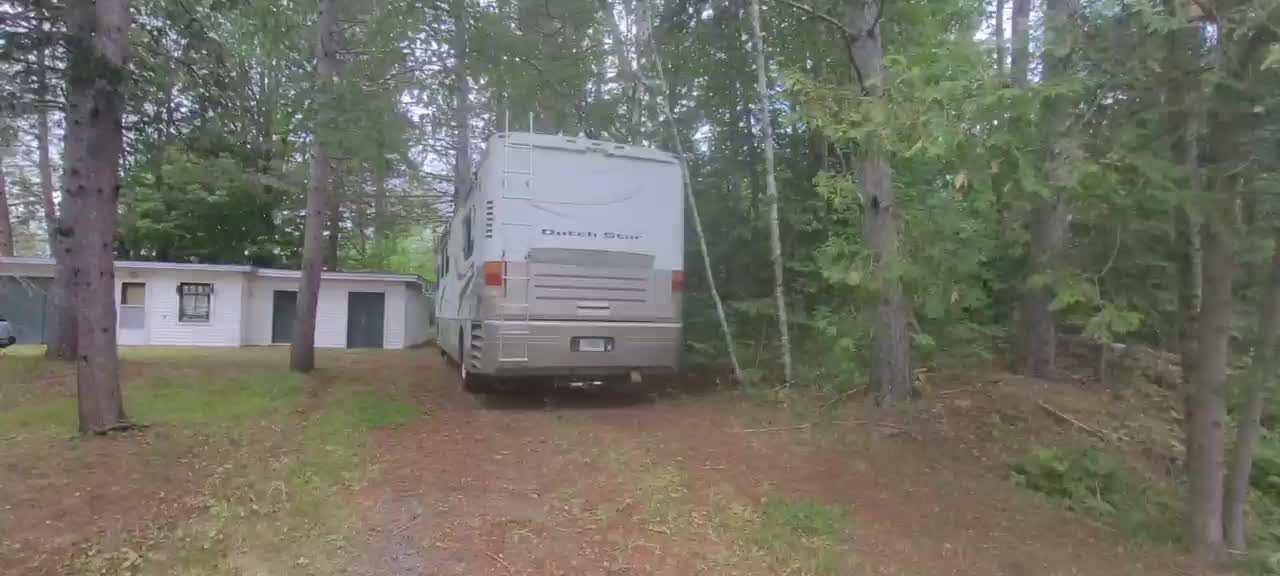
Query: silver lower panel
[(513, 348)]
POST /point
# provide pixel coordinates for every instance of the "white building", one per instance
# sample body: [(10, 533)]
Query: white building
[(172, 304)]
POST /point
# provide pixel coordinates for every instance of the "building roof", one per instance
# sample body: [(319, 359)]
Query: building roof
[(235, 268)]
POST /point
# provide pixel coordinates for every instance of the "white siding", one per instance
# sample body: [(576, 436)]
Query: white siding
[(241, 307), (258, 317), (163, 325), (331, 310), (417, 308)]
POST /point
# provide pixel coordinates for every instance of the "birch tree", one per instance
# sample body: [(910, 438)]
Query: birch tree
[(97, 48), (771, 190), (302, 351)]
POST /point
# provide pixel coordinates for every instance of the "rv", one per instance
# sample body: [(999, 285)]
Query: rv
[(565, 259)]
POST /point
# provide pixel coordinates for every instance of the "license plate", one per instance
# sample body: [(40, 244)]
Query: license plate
[(593, 344)]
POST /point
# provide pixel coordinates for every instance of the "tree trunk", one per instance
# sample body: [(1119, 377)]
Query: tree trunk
[(302, 353), (1020, 36), (771, 191), (97, 46), (1205, 449), (1049, 214), (6, 224), (1183, 86), (42, 145), (1001, 48), (461, 103), (60, 320), (1250, 427), (891, 348), (664, 104), (1230, 122)]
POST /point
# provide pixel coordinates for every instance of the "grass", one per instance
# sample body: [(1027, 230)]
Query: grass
[(779, 534), (291, 514), (271, 468)]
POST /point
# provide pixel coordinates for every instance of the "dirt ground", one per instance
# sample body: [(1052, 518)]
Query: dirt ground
[(687, 480), (480, 488)]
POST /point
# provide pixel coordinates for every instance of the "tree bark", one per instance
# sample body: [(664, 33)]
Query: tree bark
[(1224, 157), (6, 224), (665, 105), (98, 42), (1049, 213), (1206, 452), (891, 348), (302, 352), (461, 103), (60, 320), (1001, 49), (1019, 34), (1260, 374), (771, 191), (1183, 88)]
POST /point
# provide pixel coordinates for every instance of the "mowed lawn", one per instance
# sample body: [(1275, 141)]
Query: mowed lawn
[(243, 468)]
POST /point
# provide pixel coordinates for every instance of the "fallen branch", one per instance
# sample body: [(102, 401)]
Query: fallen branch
[(501, 561), (1081, 425), (778, 429), (406, 526)]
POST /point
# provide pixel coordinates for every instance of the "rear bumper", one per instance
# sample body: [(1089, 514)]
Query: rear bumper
[(541, 347)]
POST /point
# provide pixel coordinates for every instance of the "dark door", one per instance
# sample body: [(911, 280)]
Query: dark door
[(22, 303), (364, 319), (283, 304)]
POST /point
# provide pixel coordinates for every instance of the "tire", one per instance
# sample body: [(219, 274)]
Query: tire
[(471, 382)]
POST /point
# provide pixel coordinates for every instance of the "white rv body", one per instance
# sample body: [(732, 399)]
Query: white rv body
[(566, 258)]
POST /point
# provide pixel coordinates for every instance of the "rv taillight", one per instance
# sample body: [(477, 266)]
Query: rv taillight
[(677, 280), (493, 273)]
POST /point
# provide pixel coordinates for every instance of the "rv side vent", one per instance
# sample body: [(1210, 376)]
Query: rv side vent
[(476, 354), (488, 219)]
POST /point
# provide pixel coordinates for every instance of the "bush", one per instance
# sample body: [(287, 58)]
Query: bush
[(1089, 481), (1266, 467)]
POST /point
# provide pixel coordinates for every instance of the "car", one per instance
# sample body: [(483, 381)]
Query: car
[(6, 334)]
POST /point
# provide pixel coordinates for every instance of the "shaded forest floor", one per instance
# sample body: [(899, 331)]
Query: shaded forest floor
[(379, 464)]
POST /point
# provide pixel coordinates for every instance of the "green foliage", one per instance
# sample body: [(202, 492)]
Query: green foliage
[(1094, 483), (1266, 466)]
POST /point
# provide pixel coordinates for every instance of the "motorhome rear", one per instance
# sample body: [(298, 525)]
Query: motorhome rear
[(565, 258)]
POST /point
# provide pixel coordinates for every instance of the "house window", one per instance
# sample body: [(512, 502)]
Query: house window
[(194, 306), (133, 294)]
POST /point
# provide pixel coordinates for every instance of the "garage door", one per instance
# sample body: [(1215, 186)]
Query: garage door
[(22, 303), (284, 304), (364, 319)]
